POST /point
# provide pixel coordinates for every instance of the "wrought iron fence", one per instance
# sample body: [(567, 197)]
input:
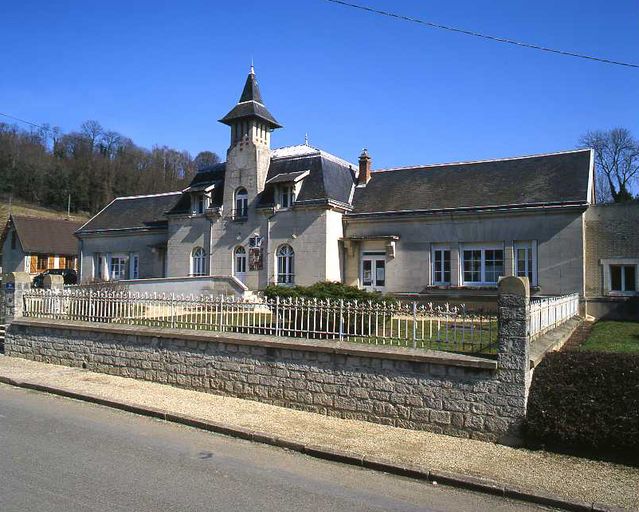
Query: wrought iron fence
[(409, 324), (547, 313)]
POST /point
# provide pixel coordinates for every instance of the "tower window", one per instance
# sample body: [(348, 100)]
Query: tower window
[(241, 203)]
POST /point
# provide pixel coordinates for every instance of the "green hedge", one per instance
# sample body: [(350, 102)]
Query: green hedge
[(325, 290), (586, 403)]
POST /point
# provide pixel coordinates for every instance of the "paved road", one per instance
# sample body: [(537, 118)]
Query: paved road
[(57, 454)]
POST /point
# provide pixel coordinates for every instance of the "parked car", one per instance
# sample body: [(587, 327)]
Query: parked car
[(70, 276)]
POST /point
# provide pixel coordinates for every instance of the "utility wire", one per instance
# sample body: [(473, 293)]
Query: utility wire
[(25, 121), (484, 36)]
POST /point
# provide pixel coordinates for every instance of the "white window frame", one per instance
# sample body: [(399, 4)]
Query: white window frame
[(240, 260), (621, 262), (286, 193), (240, 203), (199, 204), (434, 270), (483, 248), (374, 257), (530, 246), (285, 261), (122, 264), (198, 262)]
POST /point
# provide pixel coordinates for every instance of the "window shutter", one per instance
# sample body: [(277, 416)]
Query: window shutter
[(33, 264), (51, 262), (62, 262)]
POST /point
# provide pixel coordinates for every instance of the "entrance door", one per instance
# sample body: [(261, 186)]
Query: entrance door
[(374, 271), (239, 268)]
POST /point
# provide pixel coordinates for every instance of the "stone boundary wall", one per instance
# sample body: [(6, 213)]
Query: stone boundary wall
[(424, 390)]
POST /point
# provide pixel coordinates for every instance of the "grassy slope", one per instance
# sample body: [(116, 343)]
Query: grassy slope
[(609, 336), (31, 210)]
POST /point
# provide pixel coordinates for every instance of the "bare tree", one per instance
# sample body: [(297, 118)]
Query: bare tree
[(617, 161)]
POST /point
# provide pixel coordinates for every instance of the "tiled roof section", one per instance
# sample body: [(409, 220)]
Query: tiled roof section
[(250, 105), (213, 175), (329, 178), (535, 180), (133, 212), (46, 236)]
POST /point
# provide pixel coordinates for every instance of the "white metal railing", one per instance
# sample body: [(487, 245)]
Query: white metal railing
[(441, 327), (547, 313)]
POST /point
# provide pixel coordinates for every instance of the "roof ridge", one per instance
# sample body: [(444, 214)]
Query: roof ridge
[(505, 159), (148, 195)]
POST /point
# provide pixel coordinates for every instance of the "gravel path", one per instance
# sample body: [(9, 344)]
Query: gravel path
[(571, 477)]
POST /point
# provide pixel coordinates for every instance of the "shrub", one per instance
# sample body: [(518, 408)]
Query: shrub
[(325, 290), (586, 403)]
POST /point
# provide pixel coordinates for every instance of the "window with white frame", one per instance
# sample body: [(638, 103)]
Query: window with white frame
[(525, 259), (117, 267), (199, 203), (441, 265), (241, 203), (198, 262), (285, 265), (240, 260), (286, 196), (482, 265), (623, 278)]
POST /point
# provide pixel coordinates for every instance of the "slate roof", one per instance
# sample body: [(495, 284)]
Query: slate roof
[(46, 236), (559, 178), (133, 212), (329, 179), (205, 177), (250, 104)]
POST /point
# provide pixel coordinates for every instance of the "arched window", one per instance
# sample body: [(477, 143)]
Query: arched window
[(241, 203), (285, 265), (198, 262), (239, 263)]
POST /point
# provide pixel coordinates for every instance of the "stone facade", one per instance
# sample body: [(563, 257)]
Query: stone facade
[(445, 393), (612, 237)]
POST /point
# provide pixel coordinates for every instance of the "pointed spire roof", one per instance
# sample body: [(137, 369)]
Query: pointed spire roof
[(250, 104)]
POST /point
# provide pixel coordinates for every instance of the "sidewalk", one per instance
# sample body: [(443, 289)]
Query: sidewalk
[(574, 479)]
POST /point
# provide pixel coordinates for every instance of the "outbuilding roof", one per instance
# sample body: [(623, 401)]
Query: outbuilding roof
[(550, 179), (133, 212), (46, 236)]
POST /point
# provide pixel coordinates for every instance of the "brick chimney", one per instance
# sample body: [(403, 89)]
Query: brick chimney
[(364, 168)]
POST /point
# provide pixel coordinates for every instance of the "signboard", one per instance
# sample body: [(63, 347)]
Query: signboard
[(255, 258)]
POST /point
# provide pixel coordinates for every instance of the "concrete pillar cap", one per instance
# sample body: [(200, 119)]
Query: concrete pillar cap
[(512, 285)]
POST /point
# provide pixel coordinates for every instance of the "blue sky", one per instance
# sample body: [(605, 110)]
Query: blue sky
[(164, 72)]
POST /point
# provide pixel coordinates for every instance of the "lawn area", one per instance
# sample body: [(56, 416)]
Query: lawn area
[(609, 336)]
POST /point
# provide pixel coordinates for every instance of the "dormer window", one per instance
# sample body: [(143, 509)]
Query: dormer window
[(286, 195), (241, 203), (199, 203)]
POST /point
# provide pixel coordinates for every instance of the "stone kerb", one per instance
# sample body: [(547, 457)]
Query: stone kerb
[(513, 317), (14, 285)]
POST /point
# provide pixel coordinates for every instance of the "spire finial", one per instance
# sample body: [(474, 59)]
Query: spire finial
[(306, 139), (252, 67)]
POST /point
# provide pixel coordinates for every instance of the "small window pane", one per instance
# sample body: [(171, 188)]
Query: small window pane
[(630, 278), (472, 266), (615, 278), (367, 273), (380, 273)]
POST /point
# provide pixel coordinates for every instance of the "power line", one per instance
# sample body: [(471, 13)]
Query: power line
[(484, 36), (25, 121)]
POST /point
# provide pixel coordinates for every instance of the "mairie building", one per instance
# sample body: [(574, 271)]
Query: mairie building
[(298, 215)]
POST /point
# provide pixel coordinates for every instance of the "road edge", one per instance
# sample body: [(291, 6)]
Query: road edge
[(457, 480)]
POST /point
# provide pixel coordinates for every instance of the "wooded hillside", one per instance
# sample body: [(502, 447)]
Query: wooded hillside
[(93, 165)]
